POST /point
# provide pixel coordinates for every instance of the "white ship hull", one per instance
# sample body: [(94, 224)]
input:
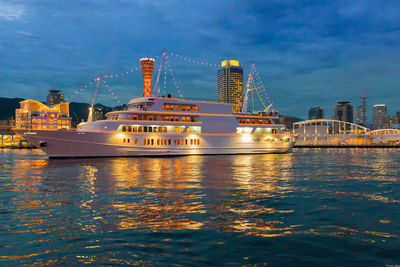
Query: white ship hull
[(63, 143)]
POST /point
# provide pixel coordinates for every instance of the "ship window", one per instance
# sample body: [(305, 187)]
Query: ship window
[(134, 117), (144, 141), (159, 129), (162, 141), (150, 129), (152, 141), (164, 129), (140, 117), (124, 140), (140, 129), (124, 128), (194, 129), (129, 129), (158, 142), (135, 141), (179, 142), (145, 117), (134, 129), (176, 107), (186, 142), (169, 141), (174, 141), (192, 119), (176, 118), (191, 141), (148, 142), (129, 140)]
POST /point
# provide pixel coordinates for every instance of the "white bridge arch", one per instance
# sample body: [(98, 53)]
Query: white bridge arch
[(324, 132)]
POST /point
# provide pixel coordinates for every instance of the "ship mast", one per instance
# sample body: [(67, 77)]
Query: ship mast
[(91, 109), (155, 90)]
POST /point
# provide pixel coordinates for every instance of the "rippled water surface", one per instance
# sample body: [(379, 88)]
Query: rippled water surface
[(316, 206)]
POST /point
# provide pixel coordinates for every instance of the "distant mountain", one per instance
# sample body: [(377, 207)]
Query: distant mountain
[(8, 107)]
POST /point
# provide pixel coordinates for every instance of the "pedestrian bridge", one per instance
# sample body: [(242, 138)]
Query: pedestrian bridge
[(324, 132)]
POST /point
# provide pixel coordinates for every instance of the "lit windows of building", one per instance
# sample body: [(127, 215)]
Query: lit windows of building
[(230, 84), (379, 113), (37, 116), (54, 97)]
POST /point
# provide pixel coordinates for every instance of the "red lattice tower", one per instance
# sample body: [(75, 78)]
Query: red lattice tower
[(147, 65)]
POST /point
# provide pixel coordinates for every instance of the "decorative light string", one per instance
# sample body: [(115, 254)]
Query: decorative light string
[(192, 60), (168, 65), (80, 90)]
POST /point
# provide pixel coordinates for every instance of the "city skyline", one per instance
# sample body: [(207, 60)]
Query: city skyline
[(312, 54)]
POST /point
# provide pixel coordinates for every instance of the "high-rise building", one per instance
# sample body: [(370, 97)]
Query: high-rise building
[(344, 111), (358, 115), (363, 111), (379, 112), (316, 113), (147, 65), (230, 84), (390, 121), (54, 97)]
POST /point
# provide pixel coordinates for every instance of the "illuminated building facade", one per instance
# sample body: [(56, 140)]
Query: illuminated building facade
[(147, 65), (390, 122), (35, 115), (379, 113), (230, 84), (316, 113), (54, 97)]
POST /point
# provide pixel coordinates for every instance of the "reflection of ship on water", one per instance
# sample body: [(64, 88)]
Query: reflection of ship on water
[(159, 125)]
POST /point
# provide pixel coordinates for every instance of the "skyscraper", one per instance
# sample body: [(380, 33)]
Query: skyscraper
[(379, 113), (54, 97), (363, 117), (147, 65), (316, 113), (230, 84), (344, 111), (361, 111)]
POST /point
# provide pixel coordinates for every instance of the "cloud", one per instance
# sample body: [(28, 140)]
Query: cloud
[(11, 11)]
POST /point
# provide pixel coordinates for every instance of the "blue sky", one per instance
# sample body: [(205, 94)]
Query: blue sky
[(309, 52)]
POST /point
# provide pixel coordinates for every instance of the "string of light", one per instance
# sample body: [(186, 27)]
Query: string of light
[(192, 60), (168, 64)]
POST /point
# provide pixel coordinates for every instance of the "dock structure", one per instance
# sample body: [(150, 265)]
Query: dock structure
[(8, 138), (335, 133)]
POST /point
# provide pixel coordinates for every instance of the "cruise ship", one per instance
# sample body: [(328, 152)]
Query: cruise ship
[(166, 126), (152, 126)]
